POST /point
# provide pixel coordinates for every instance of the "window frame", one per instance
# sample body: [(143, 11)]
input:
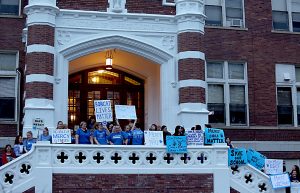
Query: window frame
[(226, 85), (19, 11)]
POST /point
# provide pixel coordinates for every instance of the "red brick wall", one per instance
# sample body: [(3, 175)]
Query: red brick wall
[(41, 34), (39, 63), (125, 183), (190, 41), (191, 68), (132, 6), (192, 95), (42, 90), (8, 130)]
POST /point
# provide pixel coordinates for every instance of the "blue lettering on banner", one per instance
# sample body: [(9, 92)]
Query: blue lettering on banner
[(214, 136), (176, 144), (237, 156), (256, 159)]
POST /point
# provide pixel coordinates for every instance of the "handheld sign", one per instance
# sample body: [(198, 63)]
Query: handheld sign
[(61, 136), (103, 110), (256, 159), (273, 166), (38, 124), (125, 112), (154, 138), (237, 156), (295, 187), (176, 144), (280, 181), (195, 137), (214, 136)]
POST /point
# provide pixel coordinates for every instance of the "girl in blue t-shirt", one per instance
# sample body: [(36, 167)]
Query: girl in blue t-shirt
[(137, 135), (117, 137), (29, 141), (83, 135), (100, 134)]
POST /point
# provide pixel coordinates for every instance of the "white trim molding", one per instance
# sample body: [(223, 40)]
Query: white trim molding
[(192, 83), (40, 48), (39, 78), (37, 103), (191, 54)]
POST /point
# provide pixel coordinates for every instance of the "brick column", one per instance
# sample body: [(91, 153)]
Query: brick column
[(191, 63), (39, 68)]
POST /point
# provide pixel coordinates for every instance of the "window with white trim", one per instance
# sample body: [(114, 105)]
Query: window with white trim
[(227, 93), (286, 15), (10, 7), (227, 13), (8, 85)]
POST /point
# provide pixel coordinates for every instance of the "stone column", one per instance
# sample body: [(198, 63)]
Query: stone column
[(39, 68), (191, 63)]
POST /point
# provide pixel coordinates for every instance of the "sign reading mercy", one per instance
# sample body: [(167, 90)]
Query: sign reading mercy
[(273, 166), (214, 136), (237, 156), (125, 112), (103, 112), (176, 144), (61, 136), (153, 138), (195, 137), (280, 181), (256, 159)]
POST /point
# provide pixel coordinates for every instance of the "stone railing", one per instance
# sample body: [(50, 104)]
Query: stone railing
[(36, 168)]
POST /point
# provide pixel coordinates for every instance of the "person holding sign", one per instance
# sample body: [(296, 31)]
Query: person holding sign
[(45, 136), (100, 134), (60, 125), (117, 137), (83, 135)]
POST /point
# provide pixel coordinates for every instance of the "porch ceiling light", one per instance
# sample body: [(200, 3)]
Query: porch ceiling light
[(109, 59)]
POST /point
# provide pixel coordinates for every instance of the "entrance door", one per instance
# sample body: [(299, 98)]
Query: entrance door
[(116, 86)]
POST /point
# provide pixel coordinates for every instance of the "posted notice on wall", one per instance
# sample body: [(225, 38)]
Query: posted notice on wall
[(154, 138), (195, 137), (280, 181), (61, 136), (125, 112), (176, 144), (237, 156), (103, 112), (256, 159), (273, 166), (38, 125), (214, 136)]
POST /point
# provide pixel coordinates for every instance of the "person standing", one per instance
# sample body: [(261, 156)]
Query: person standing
[(45, 136), (19, 147), (100, 134), (117, 137), (83, 135), (29, 141), (137, 135)]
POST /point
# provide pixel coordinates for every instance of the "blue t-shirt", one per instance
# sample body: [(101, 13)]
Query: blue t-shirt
[(101, 136), (83, 136), (129, 137), (45, 138), (117, 138), (28, 144), (137, 137)]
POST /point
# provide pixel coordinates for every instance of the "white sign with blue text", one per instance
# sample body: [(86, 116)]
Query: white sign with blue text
[(154, 138), (273, 166), (195, 137), (103, 112), (61, 136), (125, 112), (280, 181)]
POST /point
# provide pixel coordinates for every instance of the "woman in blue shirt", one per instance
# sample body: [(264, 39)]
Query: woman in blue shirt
[(117, 137), (83, 135), (100, 134), (29, 141), (137, 135), (45, 136)]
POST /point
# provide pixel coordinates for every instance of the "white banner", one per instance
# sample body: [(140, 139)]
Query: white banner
[(195, 137), (295, 187), (61, 136), (103, 110), (125, 112), (154, 138), (280, 180), (273, 166)]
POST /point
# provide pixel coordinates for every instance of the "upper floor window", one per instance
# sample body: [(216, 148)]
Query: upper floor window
[(229, 13), (227, 93), (286, 15), (8, 83), (10, 7)]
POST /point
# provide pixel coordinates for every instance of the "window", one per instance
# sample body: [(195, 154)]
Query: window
[(10, 7), (227, 88), (286, 15), (8, 86), (284, 106), (228, 13)]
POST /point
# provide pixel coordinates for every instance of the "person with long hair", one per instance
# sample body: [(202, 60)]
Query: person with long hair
[(60, 125), (100, 134), (8, 154), (179, 131), (83, 135), (19, 147), (45, 136)]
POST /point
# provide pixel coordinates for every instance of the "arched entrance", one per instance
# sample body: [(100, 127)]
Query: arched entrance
[(100, 84)]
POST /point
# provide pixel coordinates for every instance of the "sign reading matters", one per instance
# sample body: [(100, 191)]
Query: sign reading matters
[(237, 156), (125, 112), (61, 136), (176, 144), (103, 112), (214, 136), (154, 138)]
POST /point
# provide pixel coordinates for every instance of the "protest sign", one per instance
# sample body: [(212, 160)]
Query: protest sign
[(273, 166), (38, 124), (295, 187), (153, 138), (61, 136), (237, 156), (214, 136), (125, 112), (256, 159), (176, 144), (103, 110), (280, 181), (195, 137)]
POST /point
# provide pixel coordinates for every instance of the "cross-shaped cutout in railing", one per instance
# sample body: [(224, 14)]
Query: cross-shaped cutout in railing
[(80, 157), (25, 168), (116, 158), (248, 178), (151, 158), (9, 178), (62, 157), (133, 158), (202, 158), (235, 169), (98, 157), (168, 158), (185, 158), (262, 187)]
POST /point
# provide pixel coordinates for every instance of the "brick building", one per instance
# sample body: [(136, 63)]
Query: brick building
[(241, 61)]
